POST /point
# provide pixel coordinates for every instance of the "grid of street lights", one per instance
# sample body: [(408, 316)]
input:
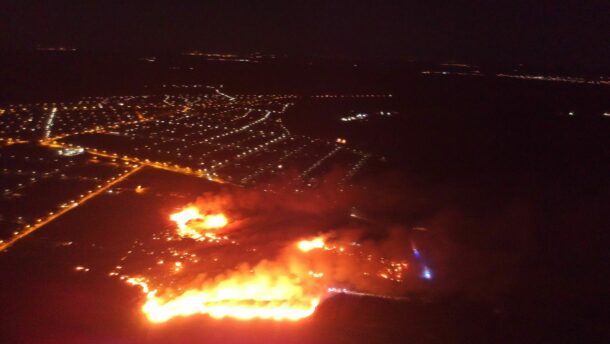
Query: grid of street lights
[(58, 155)]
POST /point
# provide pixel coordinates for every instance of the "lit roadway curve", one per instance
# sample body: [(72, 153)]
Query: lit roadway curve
[(85, 198), (145, 162)]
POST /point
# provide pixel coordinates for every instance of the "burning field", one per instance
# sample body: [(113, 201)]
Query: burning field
[(246, 255)]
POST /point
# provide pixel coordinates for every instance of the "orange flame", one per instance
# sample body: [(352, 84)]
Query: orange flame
[(308, 245), (270, 290), (278, 290), (193, 224), (215, 221), (240, 297), (289, 287)]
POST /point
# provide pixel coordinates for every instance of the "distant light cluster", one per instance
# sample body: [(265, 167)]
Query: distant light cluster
[(552, 78), (238, 139), (363, 116), (568, 79)]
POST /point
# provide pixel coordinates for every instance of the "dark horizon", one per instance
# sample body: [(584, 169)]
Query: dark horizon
[(571, 36)]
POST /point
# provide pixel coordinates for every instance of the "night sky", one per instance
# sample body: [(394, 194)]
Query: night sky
[(542, 32)]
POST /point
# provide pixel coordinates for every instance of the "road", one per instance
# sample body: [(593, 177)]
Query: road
[(31, 229)]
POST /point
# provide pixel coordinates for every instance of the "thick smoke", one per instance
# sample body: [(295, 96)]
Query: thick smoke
[(268, 224), (378, 239), (475, 248)]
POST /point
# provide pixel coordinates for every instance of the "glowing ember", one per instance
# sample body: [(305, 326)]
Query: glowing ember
[(308, 245), (139, 282), (193, 224), (316, 274)]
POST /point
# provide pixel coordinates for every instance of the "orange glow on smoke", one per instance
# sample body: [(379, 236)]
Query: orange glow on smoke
[(270, 290), (193, 224), (288, 287)]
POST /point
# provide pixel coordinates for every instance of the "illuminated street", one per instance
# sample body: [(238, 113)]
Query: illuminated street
[(29, 229)]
